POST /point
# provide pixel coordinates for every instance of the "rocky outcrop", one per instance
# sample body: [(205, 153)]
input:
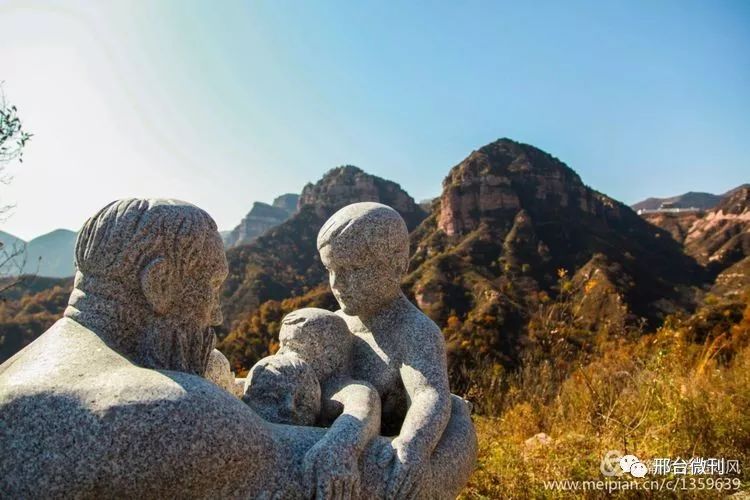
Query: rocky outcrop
[(722, 236), (512, 222), (287, 202), (349, 184), (677, 224), (260, 219), (496, 181)]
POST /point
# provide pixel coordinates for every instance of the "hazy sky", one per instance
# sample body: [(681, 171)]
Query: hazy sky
[(223, 103)]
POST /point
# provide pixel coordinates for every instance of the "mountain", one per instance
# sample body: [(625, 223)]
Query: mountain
[(284, 261), (48, 255), (287, 202), (722, 236), (716, 238), (691, 199), (8, 240), (514, 229), (10, 249), (260, 219), (52, 254), (513, 226), (677, 224), (702, 201)]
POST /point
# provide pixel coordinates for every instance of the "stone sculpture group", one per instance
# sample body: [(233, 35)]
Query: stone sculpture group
[(126, 396)]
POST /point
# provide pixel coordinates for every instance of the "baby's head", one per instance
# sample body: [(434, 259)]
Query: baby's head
[(283, 389), (318, 337)]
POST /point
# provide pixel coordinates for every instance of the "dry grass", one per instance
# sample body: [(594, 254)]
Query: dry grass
[(662, 395)]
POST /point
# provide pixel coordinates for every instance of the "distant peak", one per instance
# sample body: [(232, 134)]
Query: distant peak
[(347, 184), (344, 170), (57, 233)]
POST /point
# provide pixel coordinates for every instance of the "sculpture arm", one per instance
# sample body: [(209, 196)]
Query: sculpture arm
[(333, 461), (359, 420), (425, 378)]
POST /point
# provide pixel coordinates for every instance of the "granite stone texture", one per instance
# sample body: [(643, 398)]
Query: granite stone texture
[(220, 373), (125, 395), (283, 389), (397, 349)]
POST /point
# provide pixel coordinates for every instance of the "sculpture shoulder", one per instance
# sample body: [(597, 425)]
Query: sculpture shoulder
[(69, 362), (419, 329), (183, 435)]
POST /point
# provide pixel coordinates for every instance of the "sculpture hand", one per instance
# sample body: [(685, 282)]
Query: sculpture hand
[(332, 470), (406, 469)]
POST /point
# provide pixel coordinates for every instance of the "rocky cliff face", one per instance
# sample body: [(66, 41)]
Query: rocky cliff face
[(349, 184), (260, 219), (722, 236), (716, 238), (677, 224), (514, 222), (499, 179)]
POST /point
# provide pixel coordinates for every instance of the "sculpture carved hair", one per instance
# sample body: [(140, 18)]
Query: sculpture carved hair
[(123, 237), (114, 249), (377, 228)]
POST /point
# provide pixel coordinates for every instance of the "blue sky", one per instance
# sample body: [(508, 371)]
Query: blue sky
[(225, 103)]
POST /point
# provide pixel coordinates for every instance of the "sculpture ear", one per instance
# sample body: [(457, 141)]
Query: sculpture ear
[(157, 283)]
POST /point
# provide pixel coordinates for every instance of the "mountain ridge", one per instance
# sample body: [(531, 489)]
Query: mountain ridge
[(691, 199)]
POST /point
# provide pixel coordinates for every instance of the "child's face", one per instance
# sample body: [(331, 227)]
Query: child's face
[(361, 284), (283, 399)]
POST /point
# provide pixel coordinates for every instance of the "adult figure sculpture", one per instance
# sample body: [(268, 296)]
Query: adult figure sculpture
[(110, 401)]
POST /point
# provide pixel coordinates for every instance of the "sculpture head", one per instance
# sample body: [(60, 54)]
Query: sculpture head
[(148, 278), (318, 337), (283, 389), (365, 248)]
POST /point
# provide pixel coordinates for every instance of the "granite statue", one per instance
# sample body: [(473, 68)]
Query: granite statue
[(113, 399), (317, 342)]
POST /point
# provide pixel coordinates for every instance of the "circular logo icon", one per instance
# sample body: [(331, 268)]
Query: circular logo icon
[(610, 464), (638, 469), (627, 462)]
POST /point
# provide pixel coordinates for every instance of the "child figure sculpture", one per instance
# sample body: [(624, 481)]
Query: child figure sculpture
[(397, 349), (377, 360)]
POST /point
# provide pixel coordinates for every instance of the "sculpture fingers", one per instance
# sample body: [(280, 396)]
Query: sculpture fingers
[(407, 484), (337, 489), (346, 488), (386, 456), (396, 477), (355, 488), (324, 491)]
